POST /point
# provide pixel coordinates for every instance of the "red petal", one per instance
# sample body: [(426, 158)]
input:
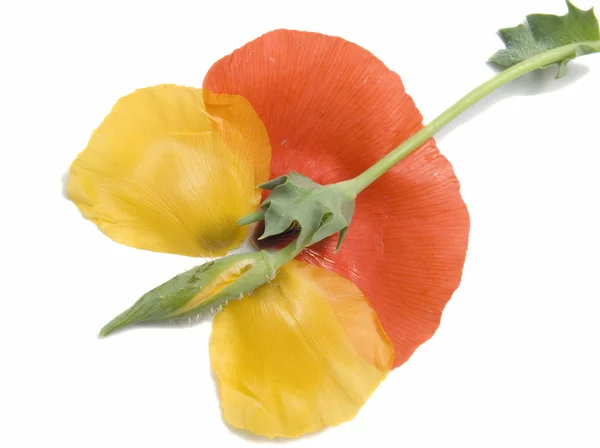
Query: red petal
[(331, 110)]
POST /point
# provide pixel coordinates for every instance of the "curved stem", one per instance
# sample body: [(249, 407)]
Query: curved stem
[(287, 254), (556, 55)]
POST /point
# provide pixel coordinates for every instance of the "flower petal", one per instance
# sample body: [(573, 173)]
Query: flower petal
[(171, 169), (302, 353), (405, 248), (332, 109)]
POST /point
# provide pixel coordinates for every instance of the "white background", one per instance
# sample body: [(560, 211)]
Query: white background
[(516, 360)]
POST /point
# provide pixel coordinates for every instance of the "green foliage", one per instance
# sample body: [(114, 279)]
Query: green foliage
[(544, 32), (319, 210)]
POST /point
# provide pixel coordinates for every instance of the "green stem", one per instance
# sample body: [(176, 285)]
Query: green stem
[(556, 55), (287, 254)]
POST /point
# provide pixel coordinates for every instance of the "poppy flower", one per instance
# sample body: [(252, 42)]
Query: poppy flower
[(172, 169)]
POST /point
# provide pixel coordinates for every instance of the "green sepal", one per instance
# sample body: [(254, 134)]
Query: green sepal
[(544, 32), (172, 299), (295, 200)]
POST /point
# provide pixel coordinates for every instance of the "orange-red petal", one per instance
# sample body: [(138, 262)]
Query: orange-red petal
[(332, 109)]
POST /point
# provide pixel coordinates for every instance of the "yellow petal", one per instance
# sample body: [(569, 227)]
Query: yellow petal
[(172, 169), (301, 353)]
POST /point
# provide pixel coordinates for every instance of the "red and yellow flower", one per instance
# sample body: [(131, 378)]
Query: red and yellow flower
[(172, 169)]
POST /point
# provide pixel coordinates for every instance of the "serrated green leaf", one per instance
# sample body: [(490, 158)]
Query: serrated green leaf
[(544, 32), (319, 210)]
